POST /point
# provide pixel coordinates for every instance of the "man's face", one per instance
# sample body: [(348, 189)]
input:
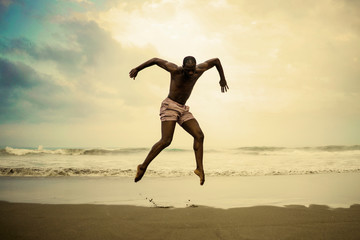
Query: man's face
[(189, 68)]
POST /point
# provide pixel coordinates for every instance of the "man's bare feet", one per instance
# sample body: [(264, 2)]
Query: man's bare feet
[(139, 173), (201, 175)]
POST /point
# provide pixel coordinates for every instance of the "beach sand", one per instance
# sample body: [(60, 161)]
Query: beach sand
[(259, 207), (87, 221)]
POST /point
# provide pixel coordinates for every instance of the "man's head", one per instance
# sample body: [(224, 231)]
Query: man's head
[(189, 65)]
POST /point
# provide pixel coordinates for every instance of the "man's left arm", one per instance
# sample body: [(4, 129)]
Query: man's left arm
[(211, 63)]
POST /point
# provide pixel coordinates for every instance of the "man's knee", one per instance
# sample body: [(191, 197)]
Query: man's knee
[(165, 142), (199, 137)]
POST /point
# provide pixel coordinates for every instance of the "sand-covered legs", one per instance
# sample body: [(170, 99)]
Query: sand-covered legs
[(193, 128), (167, 132)]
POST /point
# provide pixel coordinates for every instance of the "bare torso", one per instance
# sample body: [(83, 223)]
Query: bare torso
[(181, 85), (183, 78)]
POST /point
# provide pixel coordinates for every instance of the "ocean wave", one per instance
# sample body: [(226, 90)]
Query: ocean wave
[(327, 148), (333, 148), (49, 172), (58, 172), (261, 149), (122, 151), (69, 151)]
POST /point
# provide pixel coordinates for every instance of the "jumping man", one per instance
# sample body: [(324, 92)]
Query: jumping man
[(173, 109)]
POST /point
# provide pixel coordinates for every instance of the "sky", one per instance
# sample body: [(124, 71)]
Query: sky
[(292, 66)]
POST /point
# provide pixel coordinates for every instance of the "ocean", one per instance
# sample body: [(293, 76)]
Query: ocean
[(241, 161)]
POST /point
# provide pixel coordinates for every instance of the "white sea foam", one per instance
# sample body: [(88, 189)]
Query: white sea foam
[(50, 172), (68, 151), (243, 161)]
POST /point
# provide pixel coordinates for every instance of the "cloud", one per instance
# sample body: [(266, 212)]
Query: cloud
[(24, 92), (4, 5), (90, 79), (85, 45)]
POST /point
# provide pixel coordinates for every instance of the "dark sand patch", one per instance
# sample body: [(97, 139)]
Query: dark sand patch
[(46, 221)]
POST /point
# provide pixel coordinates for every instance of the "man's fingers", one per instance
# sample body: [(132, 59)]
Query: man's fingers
[(133, 74), (224, 88)]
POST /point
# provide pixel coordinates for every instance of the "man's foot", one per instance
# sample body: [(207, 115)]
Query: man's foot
[(201, 175), (139, 173)]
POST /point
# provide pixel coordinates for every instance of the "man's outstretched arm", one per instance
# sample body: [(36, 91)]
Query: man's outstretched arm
[(168, 66), (211, 63)]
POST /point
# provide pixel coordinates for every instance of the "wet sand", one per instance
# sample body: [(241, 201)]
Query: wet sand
[(87, 221), (334, 190)]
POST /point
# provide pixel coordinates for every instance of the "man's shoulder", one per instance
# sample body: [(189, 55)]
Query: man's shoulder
[(178, 70)]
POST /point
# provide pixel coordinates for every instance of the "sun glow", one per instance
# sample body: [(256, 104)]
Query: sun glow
[(174, 31)]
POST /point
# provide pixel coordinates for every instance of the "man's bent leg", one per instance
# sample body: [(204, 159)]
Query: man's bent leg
[(167, 132), (193, 128)]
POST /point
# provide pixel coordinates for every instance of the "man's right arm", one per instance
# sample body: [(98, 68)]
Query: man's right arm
[(168, 66)]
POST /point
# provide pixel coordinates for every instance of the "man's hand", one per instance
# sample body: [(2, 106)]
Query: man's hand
[(224, 86), (133, 73)]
